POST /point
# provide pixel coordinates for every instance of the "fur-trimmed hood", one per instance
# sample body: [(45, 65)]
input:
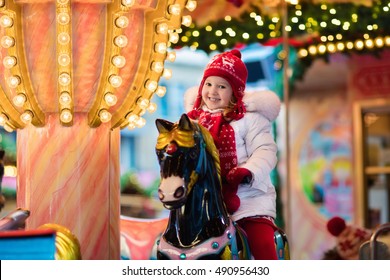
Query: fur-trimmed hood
[(265, 102)]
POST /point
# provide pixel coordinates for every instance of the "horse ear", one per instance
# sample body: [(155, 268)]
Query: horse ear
[(163, 126), (185, 123)]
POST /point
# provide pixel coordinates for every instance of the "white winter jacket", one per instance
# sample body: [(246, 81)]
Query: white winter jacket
[(256, 151)]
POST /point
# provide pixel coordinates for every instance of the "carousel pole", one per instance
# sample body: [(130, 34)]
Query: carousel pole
[(286, 100)]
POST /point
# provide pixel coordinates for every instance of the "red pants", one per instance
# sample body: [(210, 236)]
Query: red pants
[(260, 232)]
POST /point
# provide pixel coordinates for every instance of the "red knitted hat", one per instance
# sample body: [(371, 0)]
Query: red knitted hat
[(349, 238), (229, 66)]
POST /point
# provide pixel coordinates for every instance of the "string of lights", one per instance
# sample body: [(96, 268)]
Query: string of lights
[(314, 29)]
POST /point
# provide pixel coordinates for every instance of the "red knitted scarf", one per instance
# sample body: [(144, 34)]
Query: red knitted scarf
[(223, 135)]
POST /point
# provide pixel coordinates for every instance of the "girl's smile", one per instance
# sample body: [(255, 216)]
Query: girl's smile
[(216, 92)]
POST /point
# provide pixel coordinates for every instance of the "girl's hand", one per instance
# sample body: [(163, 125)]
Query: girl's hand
[(235, 177), (239, 175)]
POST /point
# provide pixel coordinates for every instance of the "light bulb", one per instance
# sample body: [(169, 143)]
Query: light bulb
[(191, 5), (340, 46), (9, 62), (143, 103), (64, 79), (379, 42), (140, 122), (13, 81), (7, 42), (8, 128), (119, 61), (26, 117), (152, 107), (132, 118), (6, 21), (63, 18), (312, 50), (387, 40), (122, 22), (186, 20), (331, 47), (10, 171), (66, 116), (160, 48), (369, 43), (167, 74), (161, 91), (359, 44), (157, 66), (65, 98), (63, 38), (131, 126), (151, 85), (104, 116), (173, 38), (115, 81), (142, 112), (110, 99), (303, 53), (174, 9), (3, 118), (162, 28), (19, 100), (128, 3), (171, 56), (121, 41), (64, 59)]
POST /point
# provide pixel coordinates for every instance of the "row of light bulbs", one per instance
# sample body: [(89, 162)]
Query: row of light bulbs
[(64, 62), (13, 81), (133, 118), (19, 86), (332, 47), (223, 37)]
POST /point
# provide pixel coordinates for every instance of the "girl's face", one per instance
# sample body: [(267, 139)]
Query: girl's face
[(216, 92)]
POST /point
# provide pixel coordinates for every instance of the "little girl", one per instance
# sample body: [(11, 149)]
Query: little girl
[(241, 127)]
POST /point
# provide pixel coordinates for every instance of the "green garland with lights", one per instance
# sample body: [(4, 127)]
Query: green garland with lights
[(316, 30)]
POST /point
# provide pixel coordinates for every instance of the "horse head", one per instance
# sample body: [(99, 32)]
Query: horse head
[(181, 152)]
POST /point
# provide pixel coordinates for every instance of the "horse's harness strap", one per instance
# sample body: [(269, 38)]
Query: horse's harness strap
[(211, 246)]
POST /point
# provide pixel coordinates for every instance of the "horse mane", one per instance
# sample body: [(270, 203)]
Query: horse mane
[(211, 148)]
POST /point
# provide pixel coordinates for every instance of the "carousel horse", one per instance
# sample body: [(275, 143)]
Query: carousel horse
[(199, 226)]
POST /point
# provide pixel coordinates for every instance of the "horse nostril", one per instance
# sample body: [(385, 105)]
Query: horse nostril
[(179, 192), (160, 194)]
